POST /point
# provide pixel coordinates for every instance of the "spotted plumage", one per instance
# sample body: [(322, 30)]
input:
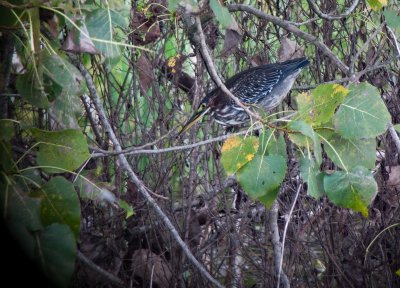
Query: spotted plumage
[(265, 86)]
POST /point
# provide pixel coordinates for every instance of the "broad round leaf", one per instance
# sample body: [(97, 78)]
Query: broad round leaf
[(66, 149), (362, 114), (32, 90), (56, 253), (237, 151), (319, 106), (60, 204), (100, 26), (348, 154), (354, 190), (263, 175)]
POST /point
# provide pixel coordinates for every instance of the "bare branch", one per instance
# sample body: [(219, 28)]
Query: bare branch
[(291, 28), (395, 137), (213, 72), (132, 176), (107, 275), (321, 14), (278, 252)]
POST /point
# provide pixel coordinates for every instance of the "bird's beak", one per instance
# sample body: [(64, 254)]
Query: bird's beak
[(195, 118)]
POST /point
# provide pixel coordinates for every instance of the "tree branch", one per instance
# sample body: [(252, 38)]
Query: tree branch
[(278, 252), (291, 28), (321, 14), (132, 176), (107, 275)]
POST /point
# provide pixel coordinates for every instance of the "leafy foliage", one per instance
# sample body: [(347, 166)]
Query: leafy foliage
[(65, 150), (237, 152)]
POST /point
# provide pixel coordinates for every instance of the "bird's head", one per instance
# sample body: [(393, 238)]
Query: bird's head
[(203, 108)]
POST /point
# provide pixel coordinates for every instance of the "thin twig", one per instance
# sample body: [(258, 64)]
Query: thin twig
[(107, 275), (395, 137), (289, 216), (213, 72), (321, 14), (291, 28), (273, 223), (132, 176)]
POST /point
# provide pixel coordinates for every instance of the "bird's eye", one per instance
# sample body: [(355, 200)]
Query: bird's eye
[(203, 105)]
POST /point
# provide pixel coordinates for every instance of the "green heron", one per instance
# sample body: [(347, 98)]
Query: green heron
[(264, 85)]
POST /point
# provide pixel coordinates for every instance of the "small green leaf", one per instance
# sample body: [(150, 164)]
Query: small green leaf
[(100, 25), (362, 114), (237, 151), (60, 204), (354, 190), (128, 208), (272, 144), (319, 106), (377, 5), (56, 253), (221, 13), (313, 177), (398, 272), (66, 149), (262, 176), (349, 153), (32, 90), (305, 138), (392, 19), (6, 129)]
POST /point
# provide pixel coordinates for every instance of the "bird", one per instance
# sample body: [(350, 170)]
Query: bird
[(265, 86)]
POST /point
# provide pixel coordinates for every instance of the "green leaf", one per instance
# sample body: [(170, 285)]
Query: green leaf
[(305, 138), (349, 153), (32, 90), (313, 177), (100, 24), (319, 106), (269, 198), (398, 272), (272, 144), (56, 253), (20, 213), (222, 13), (392, 19), (262, 176), (6, 129), (64, 74), (66, 149), (377, 5), (60, 204), (362, 114), (6, 157), (354, 190), (128, 208), (237, 151)]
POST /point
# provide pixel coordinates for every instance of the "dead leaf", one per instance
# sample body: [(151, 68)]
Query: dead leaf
[(79, 42), (232, 39), (145, 73), (145, 30), (289, 50), (151, 268)]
